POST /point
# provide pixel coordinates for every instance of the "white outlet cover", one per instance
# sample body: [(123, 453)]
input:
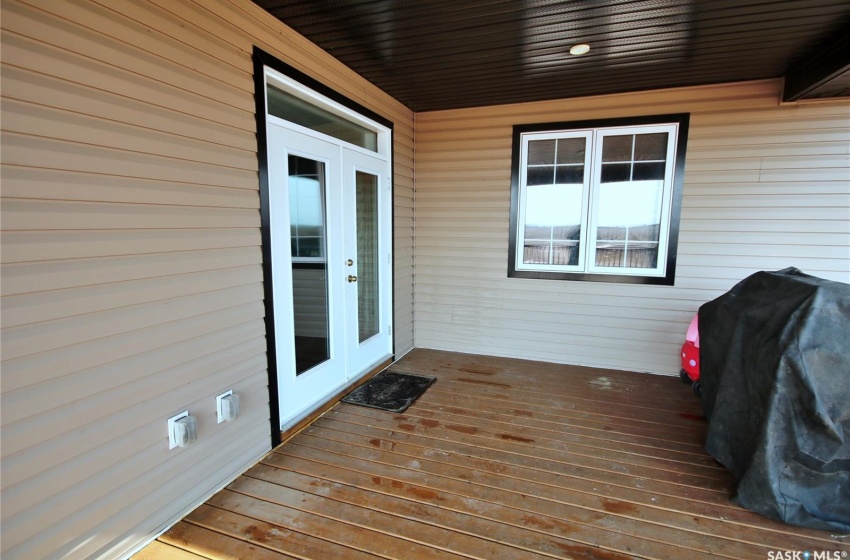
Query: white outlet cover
[(218, 408), (172, 440)]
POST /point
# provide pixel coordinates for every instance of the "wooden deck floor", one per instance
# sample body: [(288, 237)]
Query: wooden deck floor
[(499, 459)]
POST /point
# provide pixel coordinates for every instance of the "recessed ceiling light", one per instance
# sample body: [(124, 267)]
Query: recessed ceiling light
[(579, 49)]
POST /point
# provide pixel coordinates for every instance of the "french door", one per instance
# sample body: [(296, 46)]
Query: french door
[(330, 229)]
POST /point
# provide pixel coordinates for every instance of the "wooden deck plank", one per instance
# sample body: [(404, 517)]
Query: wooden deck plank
[(362, 529), (597, 473), (523, 431), (551, 461), (160, 551), (672, 512), (594, 517), (428, 488), (552, 478), (283, 538), (690, 433), (675, 473), (475, 538), (621, 409), (216, 545), (461, 518)]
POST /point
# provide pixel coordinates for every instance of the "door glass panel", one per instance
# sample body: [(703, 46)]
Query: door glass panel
[(309, 266), (366, 220)]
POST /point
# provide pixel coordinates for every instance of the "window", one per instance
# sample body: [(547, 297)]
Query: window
[(597, 200), (294, 109)]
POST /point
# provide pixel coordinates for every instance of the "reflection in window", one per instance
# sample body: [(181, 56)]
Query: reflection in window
[(553, 197), (306, 209), (293, 109), (309, 270), (631, 190), (366, 207)]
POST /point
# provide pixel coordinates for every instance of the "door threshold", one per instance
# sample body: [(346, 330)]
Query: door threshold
[(330, 402)]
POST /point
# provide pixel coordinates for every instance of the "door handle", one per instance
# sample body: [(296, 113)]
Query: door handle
[(352, 278)]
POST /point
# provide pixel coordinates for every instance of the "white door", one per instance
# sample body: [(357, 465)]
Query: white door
[(366, 197), (330, 227)]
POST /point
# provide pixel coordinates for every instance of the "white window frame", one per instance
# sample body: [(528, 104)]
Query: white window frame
[(586, 268), (523, 205), (295, 88)]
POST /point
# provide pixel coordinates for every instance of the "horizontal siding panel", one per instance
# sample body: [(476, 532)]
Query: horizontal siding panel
[(42, 26), (768, 137), (56, 275), (531, 316), (33, 246), (813, 200), (25, 85), (37, 152), (793, 149), (53, 365), (186, 32), (502, 340), (839, 161), (36, 307), (765, 189), (49, 184), (23, 117), (120, 25), (91, 72), (797, 174), (24, 215), (727, 98), (775, 226), (778, 250), (783, 239), (533, 290), (803, 125), (734, 274), (65, 333), (767, 213)]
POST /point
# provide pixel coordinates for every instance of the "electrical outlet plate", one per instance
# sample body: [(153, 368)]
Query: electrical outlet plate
[(172, 440), (218, 407)]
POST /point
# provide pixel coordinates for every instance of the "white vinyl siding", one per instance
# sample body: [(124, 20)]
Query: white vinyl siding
[(767, 186), (131, 261)]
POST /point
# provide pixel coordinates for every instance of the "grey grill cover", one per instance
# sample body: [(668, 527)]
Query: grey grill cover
[(775, 372)]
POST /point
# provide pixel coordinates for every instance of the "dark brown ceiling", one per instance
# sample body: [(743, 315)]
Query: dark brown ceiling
[(445, 54)]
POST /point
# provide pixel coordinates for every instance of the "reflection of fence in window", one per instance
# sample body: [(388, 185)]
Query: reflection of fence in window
[(550, 252), (634, 256)]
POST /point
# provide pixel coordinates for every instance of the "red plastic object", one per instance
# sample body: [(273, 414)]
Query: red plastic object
[(690, 351)]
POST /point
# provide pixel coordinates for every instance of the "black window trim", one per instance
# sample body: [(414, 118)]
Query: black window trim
[(682, 119)]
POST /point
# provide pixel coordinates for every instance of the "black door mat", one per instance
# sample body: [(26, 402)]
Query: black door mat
[(390, 391)]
